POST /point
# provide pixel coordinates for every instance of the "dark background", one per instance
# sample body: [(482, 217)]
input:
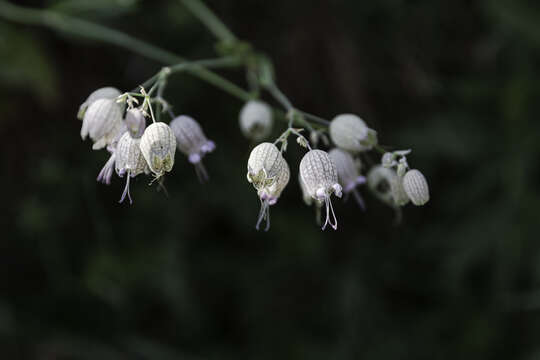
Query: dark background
[(82, 277)]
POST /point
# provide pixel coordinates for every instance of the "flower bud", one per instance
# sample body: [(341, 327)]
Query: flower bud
[(103, 123), (158, 146), (102, 93), (256, 120), (388, 160), (416, 187), (269, 173), (320, 177), (129, 160), (192, 142), (351, 133), (348, 173), (135, 122)]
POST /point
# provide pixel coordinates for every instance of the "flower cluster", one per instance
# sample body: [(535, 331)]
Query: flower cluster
[(322, 174), (115, 121)]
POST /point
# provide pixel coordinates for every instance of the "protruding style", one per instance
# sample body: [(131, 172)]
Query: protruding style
[(158, 146), (256, 120), (351, 133), (320, 178), (269, 173), (192, 142)]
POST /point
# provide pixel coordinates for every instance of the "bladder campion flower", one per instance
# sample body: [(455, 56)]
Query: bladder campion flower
[(351, 133), (103, 123), (348, 173), (129, 161), (416, 187), (192, 142), (320, 177), (158, 146), (102, 93), (269, 173), (256, 120)]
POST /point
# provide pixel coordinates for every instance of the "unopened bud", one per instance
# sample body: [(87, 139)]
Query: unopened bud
[(135, 122), (351, 133), (256, 120), (416, 187)]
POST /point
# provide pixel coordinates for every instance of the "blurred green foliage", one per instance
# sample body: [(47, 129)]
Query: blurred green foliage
[(187, 276)]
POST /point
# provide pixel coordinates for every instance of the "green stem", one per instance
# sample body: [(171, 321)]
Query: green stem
[(209, 19), (280, 97), (315, 118), (186, 65), (71, 25)]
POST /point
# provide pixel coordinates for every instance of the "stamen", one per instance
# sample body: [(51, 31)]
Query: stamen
[(264, 213), (126, 190), (329, 210)]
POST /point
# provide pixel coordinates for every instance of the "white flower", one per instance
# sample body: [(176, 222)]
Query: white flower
[(103, 123), (158, 146), (129, 160), (351, 133), (269, 173), (102, 93), (192, 142), (320, 178), (416, 187), (256, 120)]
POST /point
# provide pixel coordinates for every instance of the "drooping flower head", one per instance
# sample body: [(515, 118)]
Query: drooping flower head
[(101, 93), (351, 133), (135, 122), (103, 123), (192, 142), (320, 178), (348, 173), (269, 173), (158, 146), (416, 187), (129, 160), (256, 120)]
